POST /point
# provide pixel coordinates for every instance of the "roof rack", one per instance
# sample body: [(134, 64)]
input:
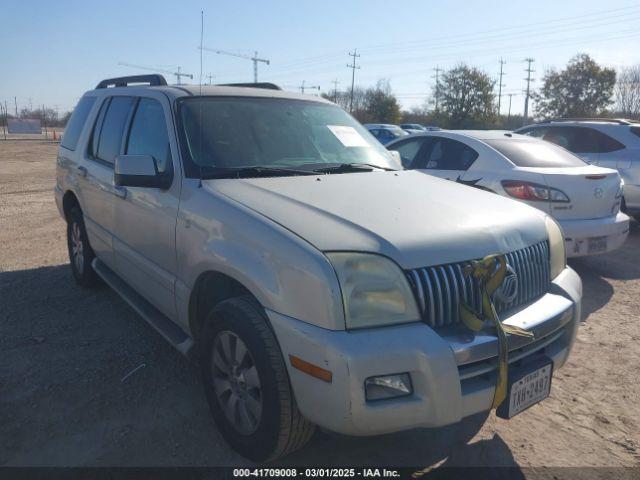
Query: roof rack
[(265, 85), (619, 121), (153, 79)]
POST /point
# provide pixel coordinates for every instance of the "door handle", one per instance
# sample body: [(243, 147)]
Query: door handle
[(82, 171), (120, 192)]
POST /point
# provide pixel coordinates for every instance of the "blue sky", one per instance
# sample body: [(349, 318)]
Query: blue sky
[(53, 51)]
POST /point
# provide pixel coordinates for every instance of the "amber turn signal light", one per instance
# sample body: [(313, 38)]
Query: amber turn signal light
[(310, 369)]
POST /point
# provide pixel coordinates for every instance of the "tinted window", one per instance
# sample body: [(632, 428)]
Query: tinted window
[(113, 128), (447, 154), (535, 153), (74, 126), (408, 150), (582, 139), (95, 134), (533, 132), (148, 134)]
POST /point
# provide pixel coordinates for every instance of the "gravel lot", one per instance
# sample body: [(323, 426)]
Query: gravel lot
[(64, 352)]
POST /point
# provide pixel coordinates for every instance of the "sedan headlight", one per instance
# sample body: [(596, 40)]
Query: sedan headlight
[(375, 291), (557, 254)]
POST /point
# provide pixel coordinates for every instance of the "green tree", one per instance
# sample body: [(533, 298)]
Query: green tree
[(381, 105), (466, 97), (582, 89)]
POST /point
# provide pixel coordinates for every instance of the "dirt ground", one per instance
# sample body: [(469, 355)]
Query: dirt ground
[(65, 353)]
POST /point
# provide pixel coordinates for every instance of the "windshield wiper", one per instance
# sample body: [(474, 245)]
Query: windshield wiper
[(207, 173), (351, 167)]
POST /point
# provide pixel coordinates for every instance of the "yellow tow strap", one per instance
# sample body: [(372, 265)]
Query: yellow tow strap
[(489, 273)]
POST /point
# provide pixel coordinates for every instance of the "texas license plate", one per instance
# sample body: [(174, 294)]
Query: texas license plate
[(526, 387), (596, 244)]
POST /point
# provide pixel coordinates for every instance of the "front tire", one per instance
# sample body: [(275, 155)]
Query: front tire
[(80, 253), (247, 384)]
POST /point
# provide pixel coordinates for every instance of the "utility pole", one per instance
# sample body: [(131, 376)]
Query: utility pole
[(303, 87), (335, 90), (529, 71), (510, 96), (210, 77), (500, 85), (44, 121), (3, 115), (437, 77), (353, 68), (15, 101)]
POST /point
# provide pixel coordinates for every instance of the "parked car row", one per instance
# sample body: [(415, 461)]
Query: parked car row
[(585, 199), (318, 282), (386, 132), (608, 143)]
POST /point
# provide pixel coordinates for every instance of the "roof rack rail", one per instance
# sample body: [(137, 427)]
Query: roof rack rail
[(620, 121), (265, 85), (153, 79)]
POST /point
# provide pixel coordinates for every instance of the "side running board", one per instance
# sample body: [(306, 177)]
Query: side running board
[(167, 328)]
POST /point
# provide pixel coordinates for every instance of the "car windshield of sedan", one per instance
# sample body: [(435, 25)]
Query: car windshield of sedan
[(273, 133), (535, 153)]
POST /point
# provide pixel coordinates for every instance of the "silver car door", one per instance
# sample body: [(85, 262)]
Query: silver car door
[(145, 218)]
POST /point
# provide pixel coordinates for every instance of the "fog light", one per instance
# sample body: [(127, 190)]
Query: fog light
[(388, 386)]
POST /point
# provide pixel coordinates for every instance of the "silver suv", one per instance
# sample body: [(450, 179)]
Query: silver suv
[(269, 235), (611, 143)]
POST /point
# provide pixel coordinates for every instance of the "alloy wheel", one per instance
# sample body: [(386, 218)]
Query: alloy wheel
[(236, 382)]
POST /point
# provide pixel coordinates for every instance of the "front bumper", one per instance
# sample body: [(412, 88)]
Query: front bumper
[(452, 372), (578, 232)]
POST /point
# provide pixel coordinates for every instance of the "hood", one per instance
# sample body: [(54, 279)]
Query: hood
[(415, 219)]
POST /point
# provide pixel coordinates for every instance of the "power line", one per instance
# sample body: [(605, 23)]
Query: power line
[(529, 71), (570, 24), (353, 68), (500, 84)]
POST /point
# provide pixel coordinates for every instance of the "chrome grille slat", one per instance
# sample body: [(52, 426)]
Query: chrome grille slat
[(456, 293), (440, 288), (447, 295)]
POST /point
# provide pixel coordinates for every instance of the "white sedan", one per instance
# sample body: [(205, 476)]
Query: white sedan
[(584, 199)]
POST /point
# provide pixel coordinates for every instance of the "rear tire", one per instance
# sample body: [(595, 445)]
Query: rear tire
[(80, 253), (247, 384)]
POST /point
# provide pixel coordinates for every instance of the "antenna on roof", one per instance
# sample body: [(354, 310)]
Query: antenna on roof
[(201, 40)]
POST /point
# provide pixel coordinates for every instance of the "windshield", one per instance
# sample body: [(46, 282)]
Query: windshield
[(535, 153), (240, 132)]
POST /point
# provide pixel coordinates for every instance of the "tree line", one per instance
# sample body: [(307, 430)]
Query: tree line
[(465, 97)]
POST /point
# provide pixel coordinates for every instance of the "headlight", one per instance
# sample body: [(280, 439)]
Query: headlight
[(557, 255), (375, 291)]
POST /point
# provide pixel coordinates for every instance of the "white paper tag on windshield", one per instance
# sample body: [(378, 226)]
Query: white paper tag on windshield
[(348, 136)]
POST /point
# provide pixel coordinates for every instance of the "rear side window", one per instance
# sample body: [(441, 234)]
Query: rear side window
[(535, 153), (112, 129), (447, 154), (74, 127), (536, 132), (148, 134), (635, 131), (582, 140)]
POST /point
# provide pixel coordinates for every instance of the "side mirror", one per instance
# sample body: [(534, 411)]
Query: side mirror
[(139, 171)]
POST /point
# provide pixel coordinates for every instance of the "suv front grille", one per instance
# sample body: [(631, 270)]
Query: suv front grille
[(440, 288)]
